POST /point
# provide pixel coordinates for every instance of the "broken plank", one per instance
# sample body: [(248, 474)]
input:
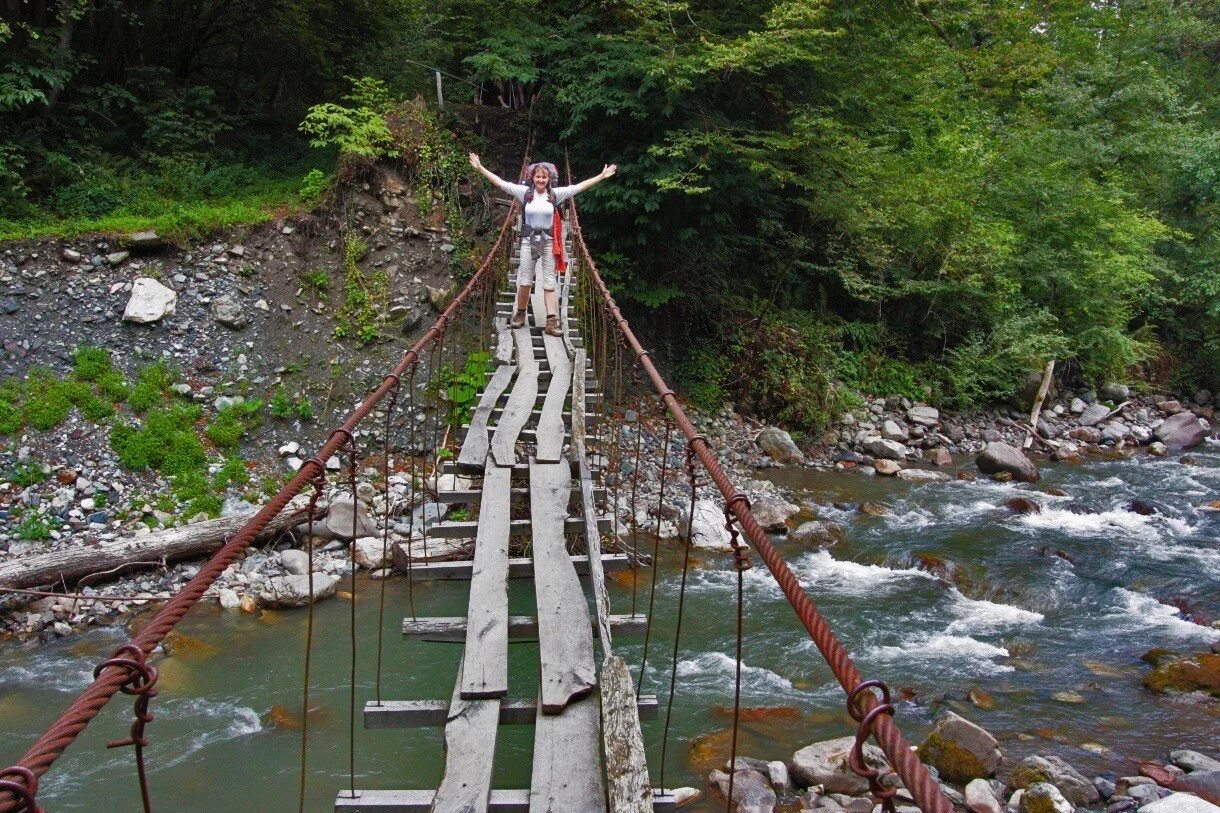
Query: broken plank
[(504, 342), (520, 402), (420, 801), (518, 568), (430, 713), (475, 444), (564, 644), (629, 787), (550, 425), (567, 775), (470, 746), (467, 529), (453, 627), (485, 662)]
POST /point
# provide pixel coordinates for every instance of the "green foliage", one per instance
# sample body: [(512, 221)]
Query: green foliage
[(47, 400), (232, 422), (91, 363), (27, 474), (460, 386), (233, 472), (365, 296), (152, 387), (358, 129), (166, 441), (279, 405), (989, 366), (35, 527), (11, 418), (701, 373), (314, 186), (317, 280)]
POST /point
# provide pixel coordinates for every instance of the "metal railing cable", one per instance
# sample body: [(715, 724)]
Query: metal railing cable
[(19, 786), (873, 714)]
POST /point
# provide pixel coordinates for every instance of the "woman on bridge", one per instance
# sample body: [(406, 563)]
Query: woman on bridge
[(542, 234)]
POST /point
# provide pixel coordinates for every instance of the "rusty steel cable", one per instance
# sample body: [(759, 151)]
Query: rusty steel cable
[(18, 793), (923, 788), (385, 526), (673, 670), (635, 523), (141, 682), (412, 454), (741, 563), (351, 709), (656, 550), (319, 483)]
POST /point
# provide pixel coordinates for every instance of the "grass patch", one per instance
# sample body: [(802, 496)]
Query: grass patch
[(151, 388), (166, 442), (35, 527), (283, 407), (365, 296), (28, 474), (232, 422)]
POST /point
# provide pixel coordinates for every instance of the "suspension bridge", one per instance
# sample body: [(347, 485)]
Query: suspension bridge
[(538, 461)]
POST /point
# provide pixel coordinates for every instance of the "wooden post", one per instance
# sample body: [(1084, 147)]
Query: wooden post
[(440, 90), (1047, 376)]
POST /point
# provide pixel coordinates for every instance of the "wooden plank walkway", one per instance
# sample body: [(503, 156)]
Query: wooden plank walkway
[(588, 751)]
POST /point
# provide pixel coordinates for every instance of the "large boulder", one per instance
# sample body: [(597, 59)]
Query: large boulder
[(752, 791), (1074, 786), (924, 415), (816, 532), (368, 552), (1180, 803), (1196, 673), (296, 562), (825, 763), (888, 449), (773, 513), (981, 798), (921, 475), (707, 526), (892, 430), (280, 592), (149, 301), (1193, 760), (960, 750), (1000, 457), (1094, 415), (779, 445), (339, 519), (1181, 431)]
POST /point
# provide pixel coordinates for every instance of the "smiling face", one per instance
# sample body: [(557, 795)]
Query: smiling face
[(541, 178)]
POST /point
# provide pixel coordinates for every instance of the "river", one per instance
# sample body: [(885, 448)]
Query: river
[(1054, 641)]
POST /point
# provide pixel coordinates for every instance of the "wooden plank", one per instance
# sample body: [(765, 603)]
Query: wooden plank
[(517, 568), (453, 627), (593, 528), (520, 402), (468, 529), (485, 661), (470, 748), (431, 713), (420, 801), (550, 425), (504, 341), (567, 772), (564, 643), (629, 786), (475, 444), (539, 306), (467, 496)]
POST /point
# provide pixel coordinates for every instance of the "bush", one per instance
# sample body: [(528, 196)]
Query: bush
[(91, 363), (36, 527), (152, 387), (232, 423), (11, 418), (47, 401), (166, 442), (360, 129)]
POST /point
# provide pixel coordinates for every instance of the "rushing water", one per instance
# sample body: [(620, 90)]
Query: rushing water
[(1036, 631)]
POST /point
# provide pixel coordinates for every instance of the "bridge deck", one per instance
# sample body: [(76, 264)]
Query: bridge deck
[(514, 446)]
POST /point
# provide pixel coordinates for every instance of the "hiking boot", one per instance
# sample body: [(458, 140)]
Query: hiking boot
[(518, 320), (552, 325)]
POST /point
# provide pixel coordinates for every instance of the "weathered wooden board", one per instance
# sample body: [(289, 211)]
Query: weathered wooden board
[(629, 787), (466, 529), (517, 568), (485, 661), (420, 801), (470, 748), (567, 772), (453, 627), (550, 425), (430, 713), (539, 306), (564, 643), (475, 445), (504, 341), (593, 528), (520, 402)]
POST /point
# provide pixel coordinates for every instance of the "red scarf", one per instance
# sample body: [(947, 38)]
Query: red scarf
[(561, 264)]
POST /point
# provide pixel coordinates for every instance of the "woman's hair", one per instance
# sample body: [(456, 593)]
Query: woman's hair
[(550, 181)]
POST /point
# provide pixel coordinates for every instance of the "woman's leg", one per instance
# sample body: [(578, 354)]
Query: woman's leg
[(525, 281), (548, 293)]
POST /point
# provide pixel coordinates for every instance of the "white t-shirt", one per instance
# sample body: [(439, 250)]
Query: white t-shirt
[(539, 213)]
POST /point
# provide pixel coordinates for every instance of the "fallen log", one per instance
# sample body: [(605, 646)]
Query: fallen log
[(70, 564)]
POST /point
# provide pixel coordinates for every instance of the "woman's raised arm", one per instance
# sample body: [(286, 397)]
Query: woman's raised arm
[(607, 171), (487, 173)]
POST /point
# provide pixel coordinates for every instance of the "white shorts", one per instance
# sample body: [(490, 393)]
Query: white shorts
[(525, 269)]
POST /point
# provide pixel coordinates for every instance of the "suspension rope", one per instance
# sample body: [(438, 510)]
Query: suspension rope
[(385, 527), (635, 523), (351, 709), (412, 454), (319, 483), (741, 563), (656, 549)]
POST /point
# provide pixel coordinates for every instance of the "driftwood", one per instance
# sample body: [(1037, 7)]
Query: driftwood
[(78, 561)]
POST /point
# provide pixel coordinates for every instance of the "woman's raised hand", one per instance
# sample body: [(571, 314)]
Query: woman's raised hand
[(609, 169), (474, 161)]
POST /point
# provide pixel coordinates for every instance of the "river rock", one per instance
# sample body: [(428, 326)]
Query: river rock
[(1114, 392), (1023, 505), (707, 526), (941, 457), (924, 415), (816, 532), (921, 475), (686, 796), (296, 562), (1094, 415), (773, 513), (338, 524), (143, 240), (228, 599), (1193, 760), (981, 798), (779, 445), (149, 301), (825, 763), (882, 447), (371, 553), (1181, 431), (1195, 673), (886, 467), (1071, 783), (440, 297), (1000, 457), (960, 750), (752, 791), (227, 310), (890, 430), (293, 591), (1180, 803), (1043, 797), (1157, 449)]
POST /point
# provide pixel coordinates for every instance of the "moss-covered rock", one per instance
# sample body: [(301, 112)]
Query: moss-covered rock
[(1196, 673), (960, 750)]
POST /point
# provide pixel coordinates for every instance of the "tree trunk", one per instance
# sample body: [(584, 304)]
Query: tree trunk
[(191, 541)]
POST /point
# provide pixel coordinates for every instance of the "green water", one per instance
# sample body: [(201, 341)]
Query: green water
[(1033, 627)]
